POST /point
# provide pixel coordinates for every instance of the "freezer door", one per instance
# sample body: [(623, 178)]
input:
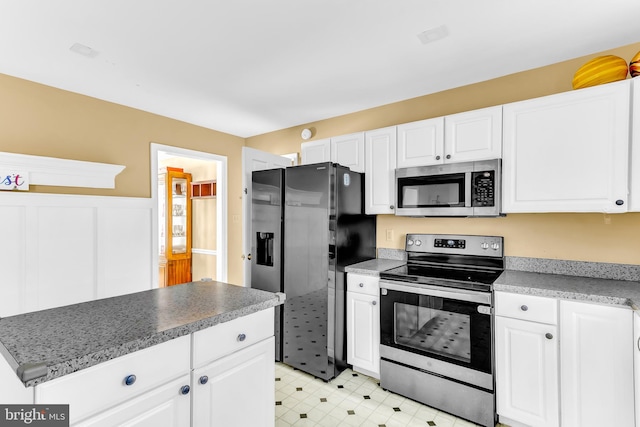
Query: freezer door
[(308, 309)]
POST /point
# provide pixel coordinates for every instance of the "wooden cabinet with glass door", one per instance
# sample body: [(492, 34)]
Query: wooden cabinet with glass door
[(174, 226)]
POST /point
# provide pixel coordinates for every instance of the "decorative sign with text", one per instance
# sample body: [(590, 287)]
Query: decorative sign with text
[(14, 180)]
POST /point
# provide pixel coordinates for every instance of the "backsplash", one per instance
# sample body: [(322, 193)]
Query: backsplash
[(600, 270)]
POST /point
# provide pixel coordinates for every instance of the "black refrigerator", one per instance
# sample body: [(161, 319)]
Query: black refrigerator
[(308, 224)]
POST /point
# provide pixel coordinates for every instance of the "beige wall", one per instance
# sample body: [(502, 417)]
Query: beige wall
[(44, 121), (585, 237)]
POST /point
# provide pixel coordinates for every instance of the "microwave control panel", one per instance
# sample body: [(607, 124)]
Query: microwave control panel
[(483, 188)]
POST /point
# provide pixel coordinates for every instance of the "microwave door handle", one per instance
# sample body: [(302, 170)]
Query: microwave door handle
[(467, 189)]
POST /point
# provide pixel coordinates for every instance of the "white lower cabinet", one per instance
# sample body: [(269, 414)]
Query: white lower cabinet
[(526, 360), (576, 374), (237, 390), (636, 364), (363, 324), (165, 406), (164, 385), (596, 358)]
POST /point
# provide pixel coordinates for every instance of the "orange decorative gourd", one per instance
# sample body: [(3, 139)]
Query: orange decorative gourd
[(603, 69), (634, 65)]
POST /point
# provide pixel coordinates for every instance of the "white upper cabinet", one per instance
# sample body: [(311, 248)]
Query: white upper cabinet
[(380, 166), (315, 151), (421, 143), (473, 135), (634, 197), (568, 152), (348, 150)]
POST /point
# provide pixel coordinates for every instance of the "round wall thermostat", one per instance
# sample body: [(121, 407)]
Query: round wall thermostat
[(306, 134)]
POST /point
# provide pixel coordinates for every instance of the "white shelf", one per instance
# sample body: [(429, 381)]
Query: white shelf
[(62, 172)]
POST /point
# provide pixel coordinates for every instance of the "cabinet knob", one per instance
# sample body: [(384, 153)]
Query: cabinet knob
[(392, 207), (185, 389), (448, 156), (249, 257), (548, 336), (374, 302), (129, 379), (203, 379), (361, 285), (524, 308), (619, 202), (242, 337), (437, 157)]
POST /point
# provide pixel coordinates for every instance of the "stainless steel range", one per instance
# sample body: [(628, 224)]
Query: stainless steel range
[(436, 324)]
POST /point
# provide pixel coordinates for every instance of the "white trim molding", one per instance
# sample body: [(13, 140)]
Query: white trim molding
[(62, 172)]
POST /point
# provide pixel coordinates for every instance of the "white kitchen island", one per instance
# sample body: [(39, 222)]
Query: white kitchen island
[(197, 354)]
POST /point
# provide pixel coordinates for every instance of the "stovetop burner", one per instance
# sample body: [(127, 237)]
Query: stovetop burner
[(480, 280), (465, 262)]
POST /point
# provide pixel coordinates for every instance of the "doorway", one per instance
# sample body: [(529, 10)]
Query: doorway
[(209, 214)]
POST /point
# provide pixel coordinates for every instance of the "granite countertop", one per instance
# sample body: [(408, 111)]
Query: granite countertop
[(598, 290), (43, 345), (373, 267)]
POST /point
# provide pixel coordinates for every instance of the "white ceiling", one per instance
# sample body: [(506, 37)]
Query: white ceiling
[(248, 67)]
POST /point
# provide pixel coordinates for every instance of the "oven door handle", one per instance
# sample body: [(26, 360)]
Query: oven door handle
[(454, 294)]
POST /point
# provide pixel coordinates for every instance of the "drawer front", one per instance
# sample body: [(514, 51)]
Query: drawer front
[(527, 307), (226, 338), (102, 386), (363, 284)]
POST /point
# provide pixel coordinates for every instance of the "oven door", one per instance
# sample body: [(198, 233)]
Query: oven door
[(446, 331)]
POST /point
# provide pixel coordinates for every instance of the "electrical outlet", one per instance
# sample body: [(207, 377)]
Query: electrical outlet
[(236, 218), (389, 234)]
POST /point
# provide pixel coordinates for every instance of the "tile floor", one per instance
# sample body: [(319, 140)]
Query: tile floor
[(351, 399)]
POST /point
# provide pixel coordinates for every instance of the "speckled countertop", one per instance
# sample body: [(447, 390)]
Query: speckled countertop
[(47, 344), (604, 291), (373, 267)]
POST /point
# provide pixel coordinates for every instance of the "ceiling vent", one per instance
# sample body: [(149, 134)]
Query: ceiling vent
[(433, 34)]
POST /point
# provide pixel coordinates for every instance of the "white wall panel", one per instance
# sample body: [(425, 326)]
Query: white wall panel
[(125, 251), (66, 255), (12, 259), (65, 249)]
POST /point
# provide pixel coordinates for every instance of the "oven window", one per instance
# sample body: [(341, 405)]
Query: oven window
[(432, 191), (433, 330)]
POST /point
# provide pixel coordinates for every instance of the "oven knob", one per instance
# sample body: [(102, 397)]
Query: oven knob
[(418, 242), (495, 246), (409, 242), (484, 245)]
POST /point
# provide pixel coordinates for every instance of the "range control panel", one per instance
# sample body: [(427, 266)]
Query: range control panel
[(455, 244)]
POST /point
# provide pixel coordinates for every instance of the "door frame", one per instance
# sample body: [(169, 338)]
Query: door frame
[(221, 205)]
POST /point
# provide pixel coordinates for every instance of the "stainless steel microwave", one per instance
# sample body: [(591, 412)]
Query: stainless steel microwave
[(456, 189)]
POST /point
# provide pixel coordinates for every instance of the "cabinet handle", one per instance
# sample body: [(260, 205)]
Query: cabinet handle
[(129, 379), (548, 336), (374, 302), (437, 157), (361, 285), (524, 308), (185, 389), (242, 337), (638, 343), (619, 202), (203, 379), (448, 156)]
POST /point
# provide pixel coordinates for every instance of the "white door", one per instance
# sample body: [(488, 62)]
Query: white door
[(567, 152), (253, 160), (380, 169), (596, 356), (363, 332), (421, 143), (527, 372), (473, 135), (239, 390), (348, 150)]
